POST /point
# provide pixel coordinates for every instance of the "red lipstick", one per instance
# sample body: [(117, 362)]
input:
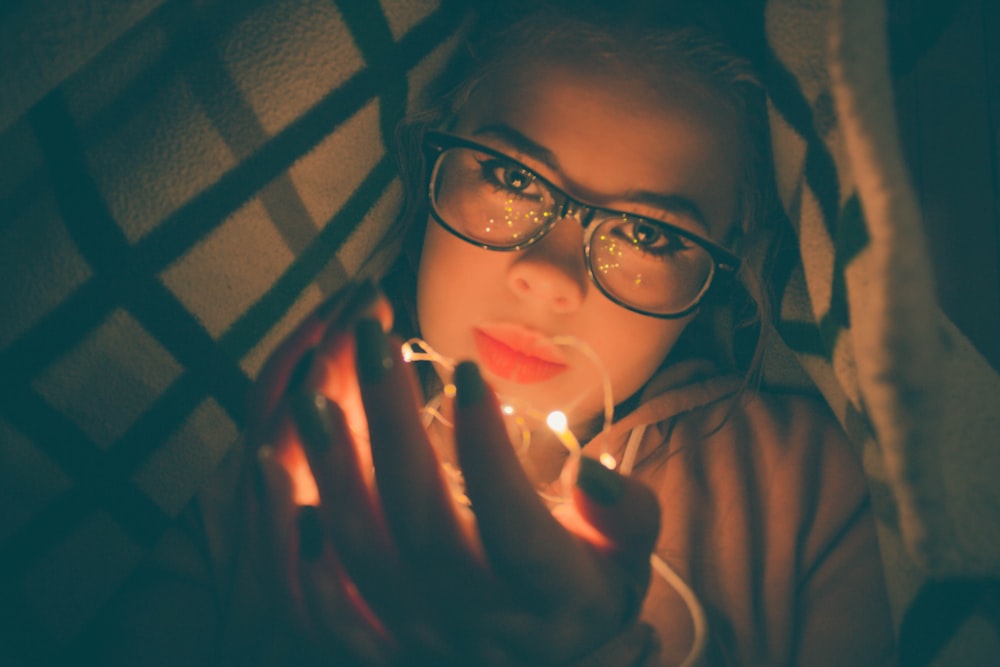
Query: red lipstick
[(518, 354)]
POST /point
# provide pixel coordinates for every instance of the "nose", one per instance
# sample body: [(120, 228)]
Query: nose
[(551, 273)]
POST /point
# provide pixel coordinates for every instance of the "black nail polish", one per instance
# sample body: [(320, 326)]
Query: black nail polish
[(374, 358), (310, 533), (469, 384), (603, 486), (310, 409), (300, 373)]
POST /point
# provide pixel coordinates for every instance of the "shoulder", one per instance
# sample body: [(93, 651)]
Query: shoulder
[(777, 444), (799, 434)]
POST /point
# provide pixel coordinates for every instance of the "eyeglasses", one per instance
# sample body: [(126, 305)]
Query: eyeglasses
[(495, 202)]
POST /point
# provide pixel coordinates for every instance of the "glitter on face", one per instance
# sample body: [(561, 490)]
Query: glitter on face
[(612, 251)]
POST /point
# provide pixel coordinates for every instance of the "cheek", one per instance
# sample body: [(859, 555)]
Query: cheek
[(452, 277), (635, 352), (433, 295)]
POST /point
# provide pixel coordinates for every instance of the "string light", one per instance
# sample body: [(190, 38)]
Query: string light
[(416, 349), (556, 420), (608, 461), (518, 416)]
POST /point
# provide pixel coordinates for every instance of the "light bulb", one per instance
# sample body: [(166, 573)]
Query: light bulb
[(550, 463), (556, 420)]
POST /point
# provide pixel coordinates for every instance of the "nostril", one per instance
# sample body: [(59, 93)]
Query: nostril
[(522, 286), (564, 304), (544, 285), (546, 279)]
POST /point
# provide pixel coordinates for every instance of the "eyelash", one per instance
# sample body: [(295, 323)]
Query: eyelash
[(673, 243), (489, 167)]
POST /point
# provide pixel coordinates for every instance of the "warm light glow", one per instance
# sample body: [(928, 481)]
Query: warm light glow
[(449, 390), (608, 461), (557, 421), (407, 353), (293, 461), (507, 409)]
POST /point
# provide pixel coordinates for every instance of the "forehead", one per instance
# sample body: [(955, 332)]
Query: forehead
[(610, 132)]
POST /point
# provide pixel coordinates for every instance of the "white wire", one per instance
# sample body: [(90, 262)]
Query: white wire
[(609, 402), (632, 449), (661, 567), (421, 351)]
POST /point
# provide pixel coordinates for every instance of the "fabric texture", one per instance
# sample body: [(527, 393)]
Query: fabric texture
[(859, 310), (766, 517), (181, 184), (183, 180)]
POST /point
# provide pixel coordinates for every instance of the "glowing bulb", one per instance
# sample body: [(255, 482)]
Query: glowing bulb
[(556, 420), (608, 461), (507, 409), (407, 353), (449, 390)]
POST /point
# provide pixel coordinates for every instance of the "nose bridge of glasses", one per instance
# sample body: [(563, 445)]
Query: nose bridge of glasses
[(571, 208)]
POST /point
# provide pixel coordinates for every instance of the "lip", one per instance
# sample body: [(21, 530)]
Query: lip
[(518, 354)]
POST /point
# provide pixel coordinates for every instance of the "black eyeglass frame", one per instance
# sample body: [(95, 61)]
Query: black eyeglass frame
[(436, 143)]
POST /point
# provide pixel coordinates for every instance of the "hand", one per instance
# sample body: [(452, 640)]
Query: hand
[(279, 488), (392, 569)]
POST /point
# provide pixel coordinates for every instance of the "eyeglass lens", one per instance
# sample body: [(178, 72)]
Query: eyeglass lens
[(498, 203)]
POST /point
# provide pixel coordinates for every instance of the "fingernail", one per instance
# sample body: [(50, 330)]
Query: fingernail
[(469, 384), (311, 411), (374, 358), (300, 373), (310, 533), (603, 486)]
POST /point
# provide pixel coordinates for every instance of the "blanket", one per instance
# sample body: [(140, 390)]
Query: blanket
[(181, 181), (859, 310)]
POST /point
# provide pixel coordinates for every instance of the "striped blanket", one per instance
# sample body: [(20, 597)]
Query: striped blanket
[(181, 181)]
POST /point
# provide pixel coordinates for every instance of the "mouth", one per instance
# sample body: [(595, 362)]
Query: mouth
[(517, 354)]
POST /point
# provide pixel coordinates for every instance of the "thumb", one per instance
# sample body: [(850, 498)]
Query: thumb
[(624, 510)]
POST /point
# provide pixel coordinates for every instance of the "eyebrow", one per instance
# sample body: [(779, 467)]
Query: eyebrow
[(668, 203), (676, 204), (520, 142)]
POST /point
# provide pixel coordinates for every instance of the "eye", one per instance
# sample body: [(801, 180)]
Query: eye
[(645, 234), (515, 179), (650, 237), (510, 177)]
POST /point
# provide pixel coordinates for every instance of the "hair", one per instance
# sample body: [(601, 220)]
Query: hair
[(662, 43)]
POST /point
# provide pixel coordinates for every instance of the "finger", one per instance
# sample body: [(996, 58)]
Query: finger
[(334, 370), (525, 544), (418, 506), (624, 510), (276, 547), (338, 619), (349, 507), (274, 376), (330, 367)]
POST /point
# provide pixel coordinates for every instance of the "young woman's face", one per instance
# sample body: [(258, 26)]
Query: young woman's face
[(606, 140)]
